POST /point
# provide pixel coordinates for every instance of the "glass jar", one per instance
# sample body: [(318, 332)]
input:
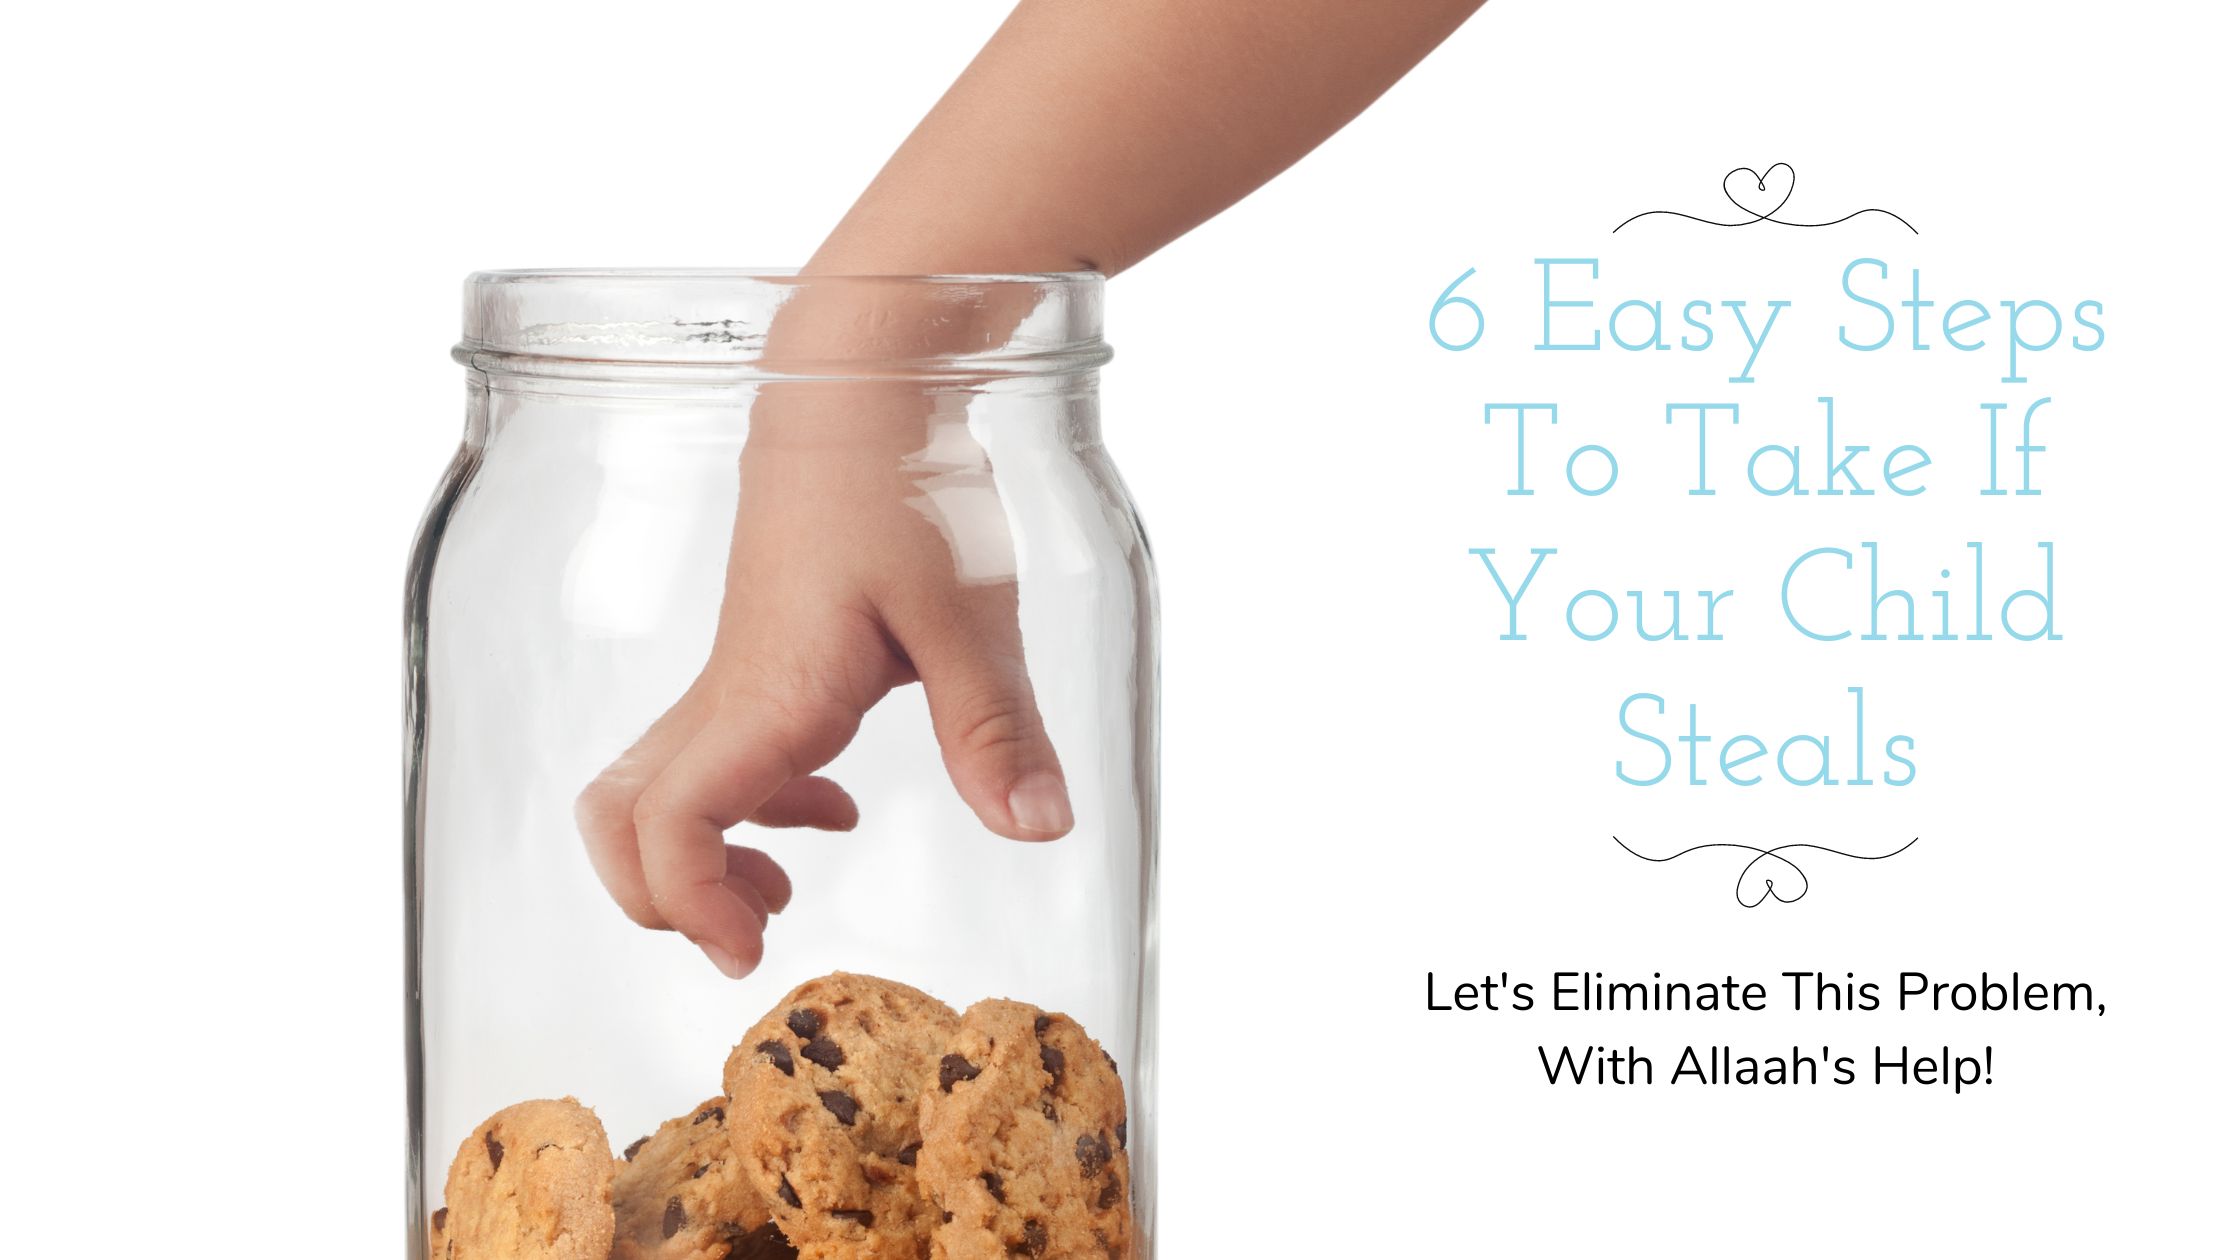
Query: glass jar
[(567, 588)]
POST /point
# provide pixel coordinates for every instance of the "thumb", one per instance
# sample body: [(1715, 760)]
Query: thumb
[(975, 674)]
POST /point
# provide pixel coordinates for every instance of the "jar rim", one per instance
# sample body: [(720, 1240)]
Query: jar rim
[(713, 318)]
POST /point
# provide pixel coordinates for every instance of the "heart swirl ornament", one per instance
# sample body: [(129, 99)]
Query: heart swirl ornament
[(1760, 196), (1770, 875)]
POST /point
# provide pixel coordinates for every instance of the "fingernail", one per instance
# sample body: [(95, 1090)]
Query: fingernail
[(1038, 804), (723, 960)]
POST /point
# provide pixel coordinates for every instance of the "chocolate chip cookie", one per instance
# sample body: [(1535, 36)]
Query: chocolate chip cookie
[(1025, 1141), (533, 1182), (824, 1114), (680, 1194)]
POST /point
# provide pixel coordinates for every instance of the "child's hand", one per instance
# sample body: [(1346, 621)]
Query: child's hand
[(870, 551)]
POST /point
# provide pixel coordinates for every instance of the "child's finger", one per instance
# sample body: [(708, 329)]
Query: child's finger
[(732, 768), (750, 897), (757, 868), (810, 801), (680, 818), (604, 817), (604, 809), (968, 655)]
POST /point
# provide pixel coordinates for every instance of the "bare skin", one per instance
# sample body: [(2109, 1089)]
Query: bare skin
[(1082, 138)]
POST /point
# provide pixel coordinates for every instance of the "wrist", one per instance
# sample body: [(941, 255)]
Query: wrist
[(900, 325)]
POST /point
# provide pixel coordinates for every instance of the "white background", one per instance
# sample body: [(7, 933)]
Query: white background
[(237, 234)]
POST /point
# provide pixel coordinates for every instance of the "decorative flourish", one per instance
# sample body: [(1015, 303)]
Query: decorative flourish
[(1772, 854), (1779, 194)]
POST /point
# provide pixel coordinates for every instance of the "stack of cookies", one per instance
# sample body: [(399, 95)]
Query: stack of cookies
[(860, 1120)]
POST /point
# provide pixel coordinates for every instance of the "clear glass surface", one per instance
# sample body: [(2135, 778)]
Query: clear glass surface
[(565, 591)]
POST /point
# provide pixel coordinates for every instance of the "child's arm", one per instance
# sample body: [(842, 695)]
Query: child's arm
[(1087, 134)]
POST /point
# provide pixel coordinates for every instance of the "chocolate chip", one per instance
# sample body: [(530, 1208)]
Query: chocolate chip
[(954, 1068), (805, 1023), (1041, 1024), (861, 1216), (672, 1217), (947, 1216), (822, 1052), (780, 1057), (1093, 1152), (837, 1101), (700, 1172), (442, 1214), (630, 1152), (1108, 1058), (1109, 1195), (1035, 1240), (786, 1192), (1120, 1131), (1054, 1062), (497, 1150), (909, 1154), (1049, 1110), (994, 1185), (767, 1242), (712, 1113)]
